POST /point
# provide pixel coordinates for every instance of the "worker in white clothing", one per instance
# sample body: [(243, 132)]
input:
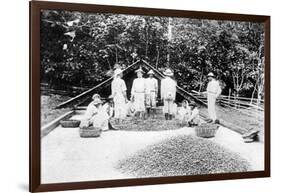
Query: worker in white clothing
[(213, 91), (151, 88), (168, 93), (119, 95), (194, 118), (183, 112), (138, 94), (97, 115)]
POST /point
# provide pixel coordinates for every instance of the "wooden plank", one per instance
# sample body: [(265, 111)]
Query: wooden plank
[(46, 129), (232, 97)]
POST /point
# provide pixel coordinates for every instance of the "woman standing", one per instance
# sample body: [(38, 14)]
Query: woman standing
[(119, 95), (138, 93)]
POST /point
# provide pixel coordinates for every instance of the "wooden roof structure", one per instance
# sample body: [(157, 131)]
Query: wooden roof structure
[(84, 96)]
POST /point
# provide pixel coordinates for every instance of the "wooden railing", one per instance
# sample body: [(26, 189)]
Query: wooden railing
[(234, 102)]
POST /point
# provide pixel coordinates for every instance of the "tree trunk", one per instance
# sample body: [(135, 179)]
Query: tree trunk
[(157, 57), (229, 93), (110, 67), (116, 55), (146, 43), (253, 93), (200, 83)]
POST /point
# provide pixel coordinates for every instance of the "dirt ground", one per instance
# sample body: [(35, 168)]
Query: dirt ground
[(67, 158), (247, 119)]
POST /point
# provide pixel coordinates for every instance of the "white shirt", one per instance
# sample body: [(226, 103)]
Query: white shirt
[(138, 86), (91, 110), (168, 88), (118, 86), (151, 85), (214, 88)]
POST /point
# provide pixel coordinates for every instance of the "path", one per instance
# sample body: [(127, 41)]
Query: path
[(67, 158)]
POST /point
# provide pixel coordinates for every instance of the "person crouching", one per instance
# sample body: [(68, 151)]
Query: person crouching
[(183, 112), (96, 115), (194, 118)]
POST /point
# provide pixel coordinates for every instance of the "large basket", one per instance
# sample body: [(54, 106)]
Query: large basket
[(90, 132), (121, 125), (206, 130), (70, 123)]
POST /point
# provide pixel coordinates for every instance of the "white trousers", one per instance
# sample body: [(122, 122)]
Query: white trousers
[(212, 106), (150, 99), (168, 106)]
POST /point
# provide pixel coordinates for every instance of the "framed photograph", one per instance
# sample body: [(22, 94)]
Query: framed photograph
[(125, 96)]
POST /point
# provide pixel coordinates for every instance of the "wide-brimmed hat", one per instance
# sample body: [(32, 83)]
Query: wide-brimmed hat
[(211, 74), (168, 72), (139, 70), (150, 72), (97, 101), (117, 71), (95, 96)]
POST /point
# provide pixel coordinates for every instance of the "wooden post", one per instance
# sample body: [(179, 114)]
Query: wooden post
[(229, 92)]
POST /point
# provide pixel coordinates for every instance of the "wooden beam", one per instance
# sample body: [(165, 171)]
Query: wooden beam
[(46, 129), (90, 91)]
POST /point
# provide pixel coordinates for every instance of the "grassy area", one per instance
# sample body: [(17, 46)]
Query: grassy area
[(48, 104)]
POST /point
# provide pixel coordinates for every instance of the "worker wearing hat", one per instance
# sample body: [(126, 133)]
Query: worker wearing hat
[(213, 91), (168, 93), (119, 95), (96, 115), (151, 94), (138, 93)]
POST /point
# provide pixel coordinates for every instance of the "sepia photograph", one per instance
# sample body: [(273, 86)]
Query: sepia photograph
[(126, 96)]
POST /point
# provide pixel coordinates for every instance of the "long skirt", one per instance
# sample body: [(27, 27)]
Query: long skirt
[(139, 102), (119, 106)]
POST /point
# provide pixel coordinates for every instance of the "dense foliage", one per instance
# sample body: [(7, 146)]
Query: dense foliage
[(80, 49)]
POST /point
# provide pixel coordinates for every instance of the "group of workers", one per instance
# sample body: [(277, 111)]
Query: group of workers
[(143, 101)]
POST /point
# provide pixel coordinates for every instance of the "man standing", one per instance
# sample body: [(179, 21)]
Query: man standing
[(168, 93), (119, 95), (151, 92), (213, 91), (138, 93)]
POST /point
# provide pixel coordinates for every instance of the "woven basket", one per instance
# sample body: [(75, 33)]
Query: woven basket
[(206, 130), (122, 124), (71, 123), (90, 132)]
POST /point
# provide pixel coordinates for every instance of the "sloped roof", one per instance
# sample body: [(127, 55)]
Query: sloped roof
[(87, 94)]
